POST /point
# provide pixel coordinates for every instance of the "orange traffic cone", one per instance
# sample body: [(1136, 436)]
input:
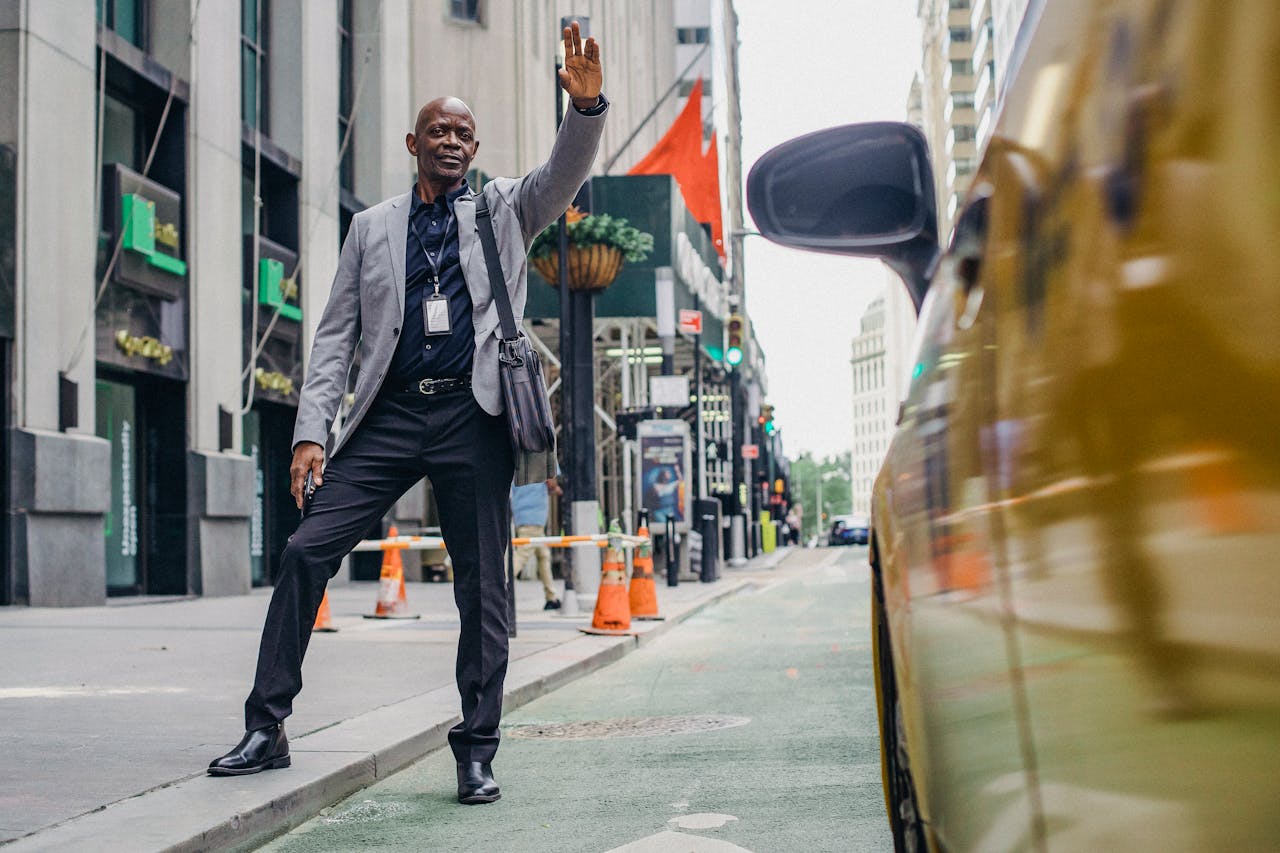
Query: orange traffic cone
[(613, 613), (323, 625), (644, 593), (1220, 490), (392, 603)]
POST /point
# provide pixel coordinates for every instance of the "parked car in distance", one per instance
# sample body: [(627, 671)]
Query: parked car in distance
[(1074, 534), (848, 530)]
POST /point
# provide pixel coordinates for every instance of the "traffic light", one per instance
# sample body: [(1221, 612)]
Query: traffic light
[(733, 352), (766, 419), (628, 419)]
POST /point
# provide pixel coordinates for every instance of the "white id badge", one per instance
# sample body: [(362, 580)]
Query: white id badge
[(435, 314)]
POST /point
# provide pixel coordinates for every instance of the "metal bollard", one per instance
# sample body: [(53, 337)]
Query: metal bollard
[(708, 514)]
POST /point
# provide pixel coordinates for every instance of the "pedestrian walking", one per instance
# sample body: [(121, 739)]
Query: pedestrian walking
[(530, 506), (412, 293), (793, 523)]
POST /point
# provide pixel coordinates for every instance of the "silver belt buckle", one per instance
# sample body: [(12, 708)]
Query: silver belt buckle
[(427, 386)]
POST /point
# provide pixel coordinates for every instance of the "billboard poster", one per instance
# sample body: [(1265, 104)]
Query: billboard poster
[(664, 471)]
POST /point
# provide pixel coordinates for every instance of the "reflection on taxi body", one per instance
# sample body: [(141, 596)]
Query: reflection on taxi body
[(1076, 532)]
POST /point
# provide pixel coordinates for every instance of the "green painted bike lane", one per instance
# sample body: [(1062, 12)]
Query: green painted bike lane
[(792, 656)]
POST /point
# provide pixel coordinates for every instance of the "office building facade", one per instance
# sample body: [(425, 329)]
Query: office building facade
[(153, 341)]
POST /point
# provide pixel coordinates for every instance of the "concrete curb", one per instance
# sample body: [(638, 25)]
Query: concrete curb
[(199, 812)]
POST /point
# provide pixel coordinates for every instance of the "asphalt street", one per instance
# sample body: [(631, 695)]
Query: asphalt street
[(750, 727)]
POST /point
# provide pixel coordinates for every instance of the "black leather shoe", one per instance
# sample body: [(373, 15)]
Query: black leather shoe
[(258, 750), (475, 783), (553, 604)]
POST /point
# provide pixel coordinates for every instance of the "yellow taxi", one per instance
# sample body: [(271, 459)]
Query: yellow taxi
[(1075, 540)]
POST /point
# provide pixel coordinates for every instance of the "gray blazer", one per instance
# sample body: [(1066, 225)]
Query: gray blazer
[(366, 304)]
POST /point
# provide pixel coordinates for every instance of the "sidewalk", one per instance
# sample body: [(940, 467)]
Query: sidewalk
[(109, 715), (761, 562)]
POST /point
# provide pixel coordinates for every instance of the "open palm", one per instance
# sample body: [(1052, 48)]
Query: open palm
[(581, 76)]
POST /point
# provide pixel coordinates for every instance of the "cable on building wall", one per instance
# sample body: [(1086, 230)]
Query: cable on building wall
[(257, 215), (74, 360), (362, 74)]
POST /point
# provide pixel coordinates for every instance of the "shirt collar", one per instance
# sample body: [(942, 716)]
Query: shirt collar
[(416, 204)]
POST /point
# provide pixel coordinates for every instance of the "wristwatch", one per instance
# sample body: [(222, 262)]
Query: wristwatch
[(600, 106)]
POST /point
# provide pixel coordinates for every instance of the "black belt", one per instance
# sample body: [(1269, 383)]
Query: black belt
[(434, 386)]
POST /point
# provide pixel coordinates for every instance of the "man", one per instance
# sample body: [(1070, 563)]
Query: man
[(530, 506), (412, 292)]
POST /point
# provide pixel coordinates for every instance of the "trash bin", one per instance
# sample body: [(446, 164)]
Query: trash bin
[(768, 533)]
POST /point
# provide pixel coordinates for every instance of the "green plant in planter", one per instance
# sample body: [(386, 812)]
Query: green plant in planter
[(598, 229), (598, 244)]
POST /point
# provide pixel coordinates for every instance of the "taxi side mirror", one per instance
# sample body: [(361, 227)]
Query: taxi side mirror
[(859, 189)]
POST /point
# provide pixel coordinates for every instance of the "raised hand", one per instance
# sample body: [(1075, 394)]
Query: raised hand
[(581, 77)]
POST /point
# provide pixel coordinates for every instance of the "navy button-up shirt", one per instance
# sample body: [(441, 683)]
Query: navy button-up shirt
[(419, 356)]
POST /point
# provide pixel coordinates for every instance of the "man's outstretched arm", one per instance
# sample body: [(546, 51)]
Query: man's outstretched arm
[(549, 189)]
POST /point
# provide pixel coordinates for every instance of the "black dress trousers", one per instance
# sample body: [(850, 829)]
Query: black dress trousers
[(467, 455)]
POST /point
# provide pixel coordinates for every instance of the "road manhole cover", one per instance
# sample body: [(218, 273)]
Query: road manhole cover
[(629, 727)]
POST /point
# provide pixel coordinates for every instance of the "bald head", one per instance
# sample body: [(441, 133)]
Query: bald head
[(444, 144), (448, 104)]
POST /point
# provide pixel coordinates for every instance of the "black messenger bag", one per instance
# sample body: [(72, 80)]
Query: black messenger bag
[(524, 388)]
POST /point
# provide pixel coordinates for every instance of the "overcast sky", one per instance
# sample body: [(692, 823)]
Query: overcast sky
[(807, 65)]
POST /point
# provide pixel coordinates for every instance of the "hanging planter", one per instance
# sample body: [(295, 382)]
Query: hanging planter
[(598, 245), (590, 267)]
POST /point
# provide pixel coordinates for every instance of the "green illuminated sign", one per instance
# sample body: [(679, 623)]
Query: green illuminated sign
[(138, 216), (275, 290)]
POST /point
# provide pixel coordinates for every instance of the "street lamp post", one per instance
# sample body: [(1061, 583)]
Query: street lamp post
[(577, 396), (742, 432)]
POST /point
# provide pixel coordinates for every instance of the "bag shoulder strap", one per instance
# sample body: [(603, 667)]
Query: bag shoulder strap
[(493, 261)]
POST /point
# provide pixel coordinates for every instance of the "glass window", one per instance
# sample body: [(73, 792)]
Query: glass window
[(253, 63), (959, 4), (965, 132), (124, 17), (960, 34), (693, 35), (686, 86), (961, 66), (120, 134), (465, 10)]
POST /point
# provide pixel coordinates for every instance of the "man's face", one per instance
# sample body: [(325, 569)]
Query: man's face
[(444, 142)]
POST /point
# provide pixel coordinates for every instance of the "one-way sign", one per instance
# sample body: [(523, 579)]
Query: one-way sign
[(690, 321)]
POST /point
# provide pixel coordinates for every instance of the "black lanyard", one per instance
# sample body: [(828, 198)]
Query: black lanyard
[(435, 268)]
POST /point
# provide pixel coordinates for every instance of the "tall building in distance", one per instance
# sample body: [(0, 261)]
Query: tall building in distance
[(966, 48), (872, 418), (693, 53), (881, 362)]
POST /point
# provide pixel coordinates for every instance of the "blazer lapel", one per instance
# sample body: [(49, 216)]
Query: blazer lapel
[(397, 222)]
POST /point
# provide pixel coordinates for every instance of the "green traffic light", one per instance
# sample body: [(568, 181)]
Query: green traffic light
[(733, 355)]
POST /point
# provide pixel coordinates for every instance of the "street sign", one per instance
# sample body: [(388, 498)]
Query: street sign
[(690, 321), (669, 391), (750, 451)]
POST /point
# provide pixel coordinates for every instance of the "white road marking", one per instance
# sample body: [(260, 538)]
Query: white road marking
[(72, 692), (701, 820), (678, 842)]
